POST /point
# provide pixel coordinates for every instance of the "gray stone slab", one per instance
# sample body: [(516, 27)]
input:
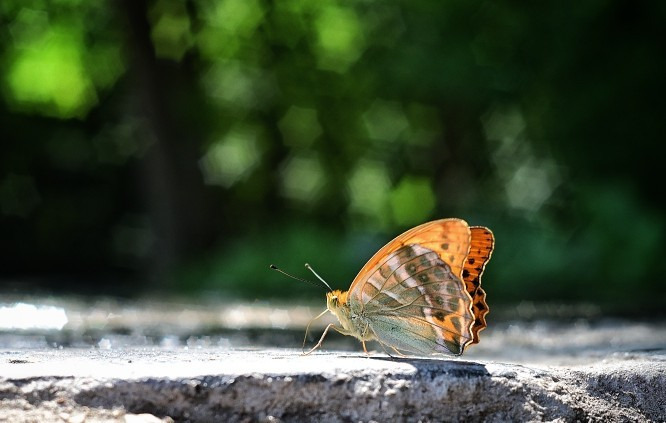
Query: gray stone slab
[(231, 384), (73, 361)]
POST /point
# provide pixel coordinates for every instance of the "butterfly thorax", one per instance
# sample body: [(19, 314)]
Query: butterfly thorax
[(353, 321)]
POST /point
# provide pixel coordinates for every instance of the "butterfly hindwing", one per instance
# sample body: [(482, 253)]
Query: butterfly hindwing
[(411, 335), (481, 248), (414, 295)]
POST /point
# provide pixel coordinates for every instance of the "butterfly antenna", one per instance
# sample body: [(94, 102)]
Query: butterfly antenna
[(318, 277), (274, 267)]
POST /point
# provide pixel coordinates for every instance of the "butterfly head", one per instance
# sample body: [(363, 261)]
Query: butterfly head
[(337, 303), (335, 299)]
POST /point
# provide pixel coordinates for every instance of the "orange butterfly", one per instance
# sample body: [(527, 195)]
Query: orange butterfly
[(420, 293)]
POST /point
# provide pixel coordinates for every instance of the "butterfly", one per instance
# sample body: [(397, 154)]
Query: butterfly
[(420, 293)]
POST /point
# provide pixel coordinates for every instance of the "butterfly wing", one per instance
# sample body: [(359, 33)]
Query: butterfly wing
[(481, 248), (450, 238), (412, 293), (415, 303)]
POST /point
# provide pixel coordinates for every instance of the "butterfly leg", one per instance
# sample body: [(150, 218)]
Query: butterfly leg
[(307, 328), (332, 325), (365, 331), (385, 350), (398, 352), (393, 348)]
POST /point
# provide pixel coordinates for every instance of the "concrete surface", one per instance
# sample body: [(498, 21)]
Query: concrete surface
[(217, 384), (149, 363)]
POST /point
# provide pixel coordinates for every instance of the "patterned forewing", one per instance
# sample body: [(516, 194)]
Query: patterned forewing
[(481, 248), (414, 294), (449, 238)]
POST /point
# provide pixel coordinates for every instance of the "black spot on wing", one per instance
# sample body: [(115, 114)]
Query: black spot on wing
[(411, 268)]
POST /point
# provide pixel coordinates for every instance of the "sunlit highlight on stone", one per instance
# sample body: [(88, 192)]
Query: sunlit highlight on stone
[(29, 316)]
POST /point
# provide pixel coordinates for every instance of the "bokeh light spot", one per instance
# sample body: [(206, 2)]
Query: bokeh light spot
[(105, 64), (529, 181), (117, 143), (385, 120), (231, 159), (228, 26), (239, 17), (531, 185), (303, 178), (28, 27), (48, 75), (239, 86), (412, 201), (368, 187), (170, 30), (340, 39), (503, 123)]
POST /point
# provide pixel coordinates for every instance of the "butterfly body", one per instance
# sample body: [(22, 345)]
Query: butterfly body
[(421, 292), (353, 320)]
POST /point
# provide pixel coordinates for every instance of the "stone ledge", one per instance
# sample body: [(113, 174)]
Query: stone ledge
[(221, 384)]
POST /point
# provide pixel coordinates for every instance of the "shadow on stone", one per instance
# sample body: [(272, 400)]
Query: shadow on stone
[(455, 368)]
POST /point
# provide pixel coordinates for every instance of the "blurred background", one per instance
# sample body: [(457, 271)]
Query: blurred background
[(177, 148)]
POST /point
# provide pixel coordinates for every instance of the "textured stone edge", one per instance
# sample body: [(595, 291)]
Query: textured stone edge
[(435, 391)]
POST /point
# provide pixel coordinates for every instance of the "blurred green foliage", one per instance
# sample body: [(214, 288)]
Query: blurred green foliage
[(182, 146)]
